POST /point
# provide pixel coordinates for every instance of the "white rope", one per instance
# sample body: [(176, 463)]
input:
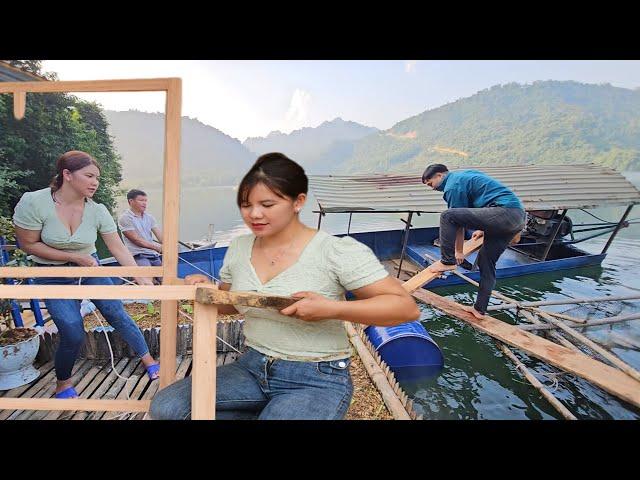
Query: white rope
[(229, 345), (200, 270)]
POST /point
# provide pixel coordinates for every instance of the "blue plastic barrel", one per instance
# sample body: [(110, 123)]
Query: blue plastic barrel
[(408, 350)]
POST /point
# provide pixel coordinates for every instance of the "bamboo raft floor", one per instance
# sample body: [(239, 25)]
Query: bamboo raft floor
[(96, 380)]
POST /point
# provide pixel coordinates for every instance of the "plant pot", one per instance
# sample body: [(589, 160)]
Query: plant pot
[(16, 363)]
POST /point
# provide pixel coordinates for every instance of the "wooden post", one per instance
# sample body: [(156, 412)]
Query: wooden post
[(19, 104), (203, 386), (170, 217)]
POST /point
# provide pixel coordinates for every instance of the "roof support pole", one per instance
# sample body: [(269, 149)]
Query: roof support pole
[(618, 227), (555, 233), (349, 226), (405, 240)]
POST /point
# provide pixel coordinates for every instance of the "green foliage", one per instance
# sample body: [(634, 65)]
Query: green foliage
[(545, 122), (151, 309), (187, 308), (53, 124)]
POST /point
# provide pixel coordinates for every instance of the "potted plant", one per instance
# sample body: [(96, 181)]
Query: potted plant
[(18, 346)]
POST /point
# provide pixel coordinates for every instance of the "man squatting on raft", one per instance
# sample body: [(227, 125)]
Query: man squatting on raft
[(474, 201)]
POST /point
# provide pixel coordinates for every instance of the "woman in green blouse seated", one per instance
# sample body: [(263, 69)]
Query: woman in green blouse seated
[(58, 226), (297, 363)]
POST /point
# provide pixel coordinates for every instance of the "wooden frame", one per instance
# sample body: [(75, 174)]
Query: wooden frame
[(172, 288)]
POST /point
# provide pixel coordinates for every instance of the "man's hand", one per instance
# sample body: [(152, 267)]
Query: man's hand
[(459, 257), (143, 281), (312, 307), (158, 247), (477, 234)]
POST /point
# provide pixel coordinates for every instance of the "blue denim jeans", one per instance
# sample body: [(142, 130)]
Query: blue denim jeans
[(265, 388), (148, 260), (66, 316), (499, 224)]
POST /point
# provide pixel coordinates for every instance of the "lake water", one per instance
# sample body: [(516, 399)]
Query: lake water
[(478, 381)]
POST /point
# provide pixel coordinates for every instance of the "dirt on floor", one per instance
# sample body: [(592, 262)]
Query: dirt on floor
[(16, 335), (366, 403)]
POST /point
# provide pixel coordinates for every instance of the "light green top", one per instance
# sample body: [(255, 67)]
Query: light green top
[(329, 266), (37, 211)]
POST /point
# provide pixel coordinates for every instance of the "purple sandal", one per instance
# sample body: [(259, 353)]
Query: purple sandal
[(152, 370), (68, 392)]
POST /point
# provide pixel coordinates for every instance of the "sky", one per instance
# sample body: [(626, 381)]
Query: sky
[(252, 98)]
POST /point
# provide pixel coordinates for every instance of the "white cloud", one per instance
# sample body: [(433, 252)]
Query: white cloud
[(298, 112), (410, 66)]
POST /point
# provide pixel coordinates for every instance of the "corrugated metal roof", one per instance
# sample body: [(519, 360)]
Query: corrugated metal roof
[(13, 74), (540, 187)]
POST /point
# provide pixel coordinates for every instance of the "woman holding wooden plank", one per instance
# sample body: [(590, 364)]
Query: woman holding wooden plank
[(297, 362), (58, 226)]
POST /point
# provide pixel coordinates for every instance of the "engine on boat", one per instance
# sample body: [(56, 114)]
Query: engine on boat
[(541, 224)]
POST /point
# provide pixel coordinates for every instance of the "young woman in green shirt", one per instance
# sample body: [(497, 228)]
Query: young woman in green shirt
[(297, 362)]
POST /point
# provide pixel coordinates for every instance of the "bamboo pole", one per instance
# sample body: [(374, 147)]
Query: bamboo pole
[(626, 368), (536, 383), (592, 323), (568, 301), (391, 400)]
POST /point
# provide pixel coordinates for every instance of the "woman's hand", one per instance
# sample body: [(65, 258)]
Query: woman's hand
[(312, 307), (195, 279), (84, 260)]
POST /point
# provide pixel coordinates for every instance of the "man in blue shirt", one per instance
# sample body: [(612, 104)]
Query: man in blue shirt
[(477, 201)]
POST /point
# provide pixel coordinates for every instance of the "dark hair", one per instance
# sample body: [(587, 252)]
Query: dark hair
[(432, 169), (72, 161), (135, 193), (278, 173)]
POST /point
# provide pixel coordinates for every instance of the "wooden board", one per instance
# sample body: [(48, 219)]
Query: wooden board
[(608, 378), (210, 295), (425, 276)]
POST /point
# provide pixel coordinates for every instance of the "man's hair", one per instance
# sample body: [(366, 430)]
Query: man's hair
[(135, 193), (432, 169)]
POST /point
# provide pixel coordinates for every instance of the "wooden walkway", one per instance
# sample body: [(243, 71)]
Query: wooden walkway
[(97, 380)]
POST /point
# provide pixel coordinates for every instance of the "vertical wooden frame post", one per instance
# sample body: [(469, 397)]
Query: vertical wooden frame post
[(170, 214), (203, 374)]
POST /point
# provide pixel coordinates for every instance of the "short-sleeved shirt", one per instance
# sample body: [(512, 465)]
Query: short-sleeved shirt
[(37, 211), (328, 265), (142, 225), (474, 189)]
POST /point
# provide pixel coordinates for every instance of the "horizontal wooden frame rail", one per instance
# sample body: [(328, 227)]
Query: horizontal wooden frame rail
[(171, 191), (207, 297), (126, 85), (74, 272)]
